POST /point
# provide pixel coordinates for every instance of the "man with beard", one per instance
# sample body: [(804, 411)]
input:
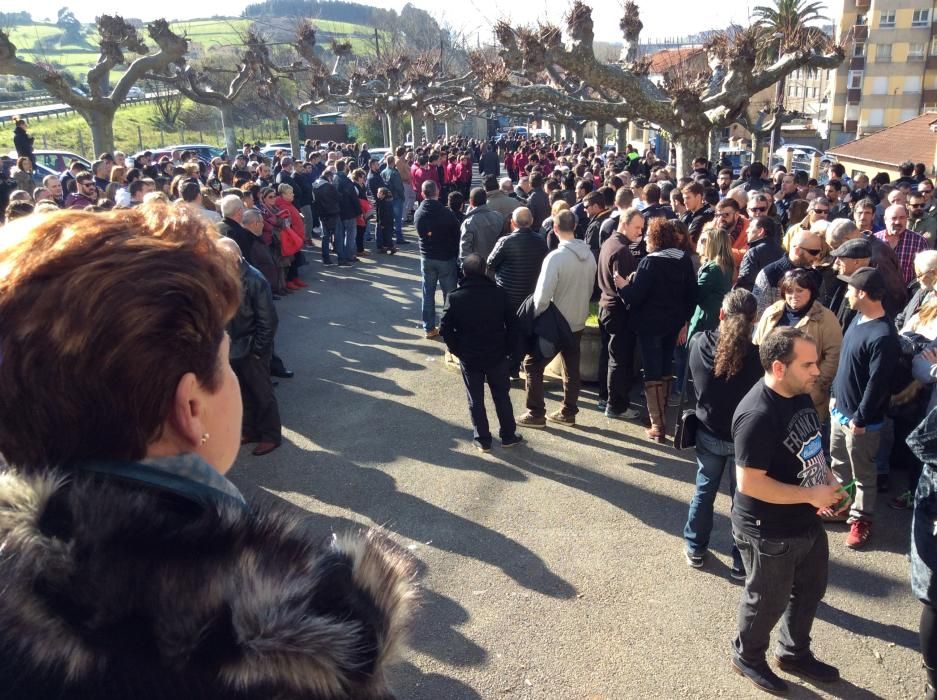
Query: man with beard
[(901, 239), (698, 211), (764, 248), (784, 482), (806, 249)]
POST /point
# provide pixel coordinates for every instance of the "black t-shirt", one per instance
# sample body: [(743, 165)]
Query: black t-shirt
[(781, 436)]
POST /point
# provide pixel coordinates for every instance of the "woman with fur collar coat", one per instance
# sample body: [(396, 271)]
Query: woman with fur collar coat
[(131, 567)]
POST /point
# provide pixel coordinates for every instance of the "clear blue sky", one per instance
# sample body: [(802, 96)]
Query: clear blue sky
[(661, 17)]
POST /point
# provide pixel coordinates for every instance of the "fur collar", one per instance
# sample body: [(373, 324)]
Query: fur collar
[(106, 582)]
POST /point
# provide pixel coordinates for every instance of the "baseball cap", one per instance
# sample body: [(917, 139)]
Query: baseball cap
[(855, 249), (866, 279)]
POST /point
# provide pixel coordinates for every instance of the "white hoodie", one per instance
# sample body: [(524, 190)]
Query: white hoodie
[(567, 278)]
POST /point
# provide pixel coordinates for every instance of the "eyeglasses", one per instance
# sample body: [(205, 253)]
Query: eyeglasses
[(725, 214), (925, 191), (758, 210), (813, 251), (821, 211)]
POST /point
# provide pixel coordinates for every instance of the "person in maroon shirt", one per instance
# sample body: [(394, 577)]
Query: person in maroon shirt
[(905, 242)]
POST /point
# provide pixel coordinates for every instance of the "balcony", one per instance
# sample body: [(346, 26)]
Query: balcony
[(857, 63), (853, 95), (860, 32), (863, 4), (929, 97), (931, 62)]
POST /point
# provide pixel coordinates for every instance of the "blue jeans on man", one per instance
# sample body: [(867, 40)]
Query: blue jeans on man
[(713, 457), (443, 272), (345, 244)]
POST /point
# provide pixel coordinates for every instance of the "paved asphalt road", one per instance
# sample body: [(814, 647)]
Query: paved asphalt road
[(554, 570)]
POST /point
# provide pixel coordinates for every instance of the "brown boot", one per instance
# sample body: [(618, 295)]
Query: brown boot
[(656, 407)]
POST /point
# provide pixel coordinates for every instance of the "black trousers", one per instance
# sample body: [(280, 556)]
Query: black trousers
[(786, 580), (616, 359), (499, 384), (261, 420)]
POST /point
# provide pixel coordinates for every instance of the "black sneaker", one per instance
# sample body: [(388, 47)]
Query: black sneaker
[(482, 445), (327, 262), (737, 572), (761, 676), (810, 667), (512, 441), (694, 560)]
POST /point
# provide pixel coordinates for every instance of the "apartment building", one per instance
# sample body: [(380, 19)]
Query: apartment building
[(890, 72)]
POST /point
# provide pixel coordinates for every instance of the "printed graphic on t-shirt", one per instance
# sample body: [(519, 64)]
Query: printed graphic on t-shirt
[(804, 442)]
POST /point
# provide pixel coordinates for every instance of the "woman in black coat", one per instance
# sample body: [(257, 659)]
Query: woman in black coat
[(660, 298), (132, 568)]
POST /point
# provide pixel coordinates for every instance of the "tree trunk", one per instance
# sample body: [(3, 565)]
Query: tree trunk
[(779, 118), (385, 134), (715, 139), (395, 129), (292, 126), (758, 144), (101, 123), (227, 126), (577, 134), (599, 137), (622, 137), (689, 146)]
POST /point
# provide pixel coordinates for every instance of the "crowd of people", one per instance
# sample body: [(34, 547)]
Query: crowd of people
[(799, 314)]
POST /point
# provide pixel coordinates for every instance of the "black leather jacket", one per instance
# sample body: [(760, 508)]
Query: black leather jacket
[(254, 325)]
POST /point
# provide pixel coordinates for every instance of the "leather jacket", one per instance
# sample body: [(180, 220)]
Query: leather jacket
[(255, 324)]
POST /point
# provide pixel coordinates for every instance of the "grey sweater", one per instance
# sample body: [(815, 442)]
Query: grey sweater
[(567, 278)]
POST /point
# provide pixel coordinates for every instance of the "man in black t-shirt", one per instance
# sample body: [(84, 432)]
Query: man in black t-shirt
[(784, 484)]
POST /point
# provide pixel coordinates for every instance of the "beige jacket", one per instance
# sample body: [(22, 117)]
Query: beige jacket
[(820, 324)]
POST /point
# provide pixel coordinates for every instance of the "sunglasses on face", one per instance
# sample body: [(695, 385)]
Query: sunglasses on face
[(824, 212), (813, 251), (925, 191), (758, 209)]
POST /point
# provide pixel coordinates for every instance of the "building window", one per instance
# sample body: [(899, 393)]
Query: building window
[(883, 53), (915, 52), (855, 80), (920, 18), (887, 18), (876, 117), (879, 86), (907, 114), (912, 84), (861, 21), (852, 113), (858, 49), (933, 46)]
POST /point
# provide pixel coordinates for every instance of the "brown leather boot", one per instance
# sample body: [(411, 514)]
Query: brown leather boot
[(656, 407)]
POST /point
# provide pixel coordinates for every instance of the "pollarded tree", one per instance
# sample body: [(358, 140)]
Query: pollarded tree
[(116, 36), (198, 86), (688, 109)]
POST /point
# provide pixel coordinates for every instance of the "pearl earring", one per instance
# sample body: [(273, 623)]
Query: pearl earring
[(205, 437)]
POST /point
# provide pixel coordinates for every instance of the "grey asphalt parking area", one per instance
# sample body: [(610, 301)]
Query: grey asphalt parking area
[(554, 569)]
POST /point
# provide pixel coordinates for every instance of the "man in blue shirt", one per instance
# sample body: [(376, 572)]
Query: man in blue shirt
[(860, 393)]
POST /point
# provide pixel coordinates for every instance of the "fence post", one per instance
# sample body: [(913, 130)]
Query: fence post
[(139, 138), (200, 138), (81, 142), (161, 140), (45, 144), (182, 137)]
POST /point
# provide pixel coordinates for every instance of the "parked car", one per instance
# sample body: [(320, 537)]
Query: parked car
[(55, 161), (379, 153), (203, 151), (136, 93), (270, 151)]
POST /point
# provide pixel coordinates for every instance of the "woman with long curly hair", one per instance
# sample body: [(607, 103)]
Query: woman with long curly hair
[(724, 365)]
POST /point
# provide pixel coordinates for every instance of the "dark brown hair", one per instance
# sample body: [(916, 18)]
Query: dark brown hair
[(100, 317), (739, 309)]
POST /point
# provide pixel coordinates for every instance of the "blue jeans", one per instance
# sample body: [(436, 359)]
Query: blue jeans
[(713, 457), (398, 219), (433, 271), (345, 245)]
